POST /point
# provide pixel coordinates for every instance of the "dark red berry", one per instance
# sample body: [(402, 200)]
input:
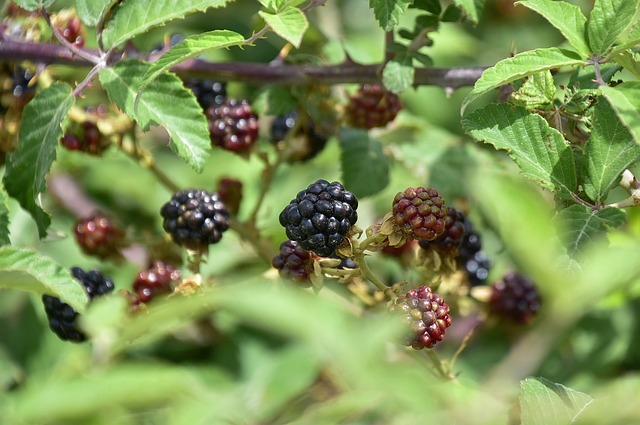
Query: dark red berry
[(420, 213), (372, 106), (515, 298), (99, 236), (158, 279), (73, 32), (426, 314), (230, 192), (233, 125), (452, 237), (85, 137), (71, 142), (294, 263)]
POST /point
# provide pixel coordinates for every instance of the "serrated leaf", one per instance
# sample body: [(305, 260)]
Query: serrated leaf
[(4, 218), (607, 21), (471, 8), (90, 11), (397, 75), (27, 270), (190, 47), (365, 168), (32, 5), (580, 226), (289, 23), (625, 101), (609, 151), (543, 402), (167, 102), (388, 12), (539, 150), (566, 18), (537, 92), (136, 17), (519, 66), (28, 166)]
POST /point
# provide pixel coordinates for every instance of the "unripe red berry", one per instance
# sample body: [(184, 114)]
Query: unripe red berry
[(99, 236), (420, 213)]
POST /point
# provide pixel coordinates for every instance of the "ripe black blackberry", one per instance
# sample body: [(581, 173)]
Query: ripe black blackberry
[(305, 144), (62, 317), (471, 258), (99, 236), (195, 218), (515, 298), (320, 217), (20, 82), (158, 279), (452, 237), (420, 213), (233, 125), (208, 93), (372, 106), (427, 315), (294, 263)]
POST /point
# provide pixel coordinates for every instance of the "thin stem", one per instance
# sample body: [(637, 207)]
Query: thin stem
[(267, 178), (439, 365), (388, 41), (583, 202), (56, 32), (77, 92), (595, 61)]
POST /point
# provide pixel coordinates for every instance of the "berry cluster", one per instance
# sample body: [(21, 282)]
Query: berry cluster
[(452, 237), (471, 257), (372, 106), (99, 236), (195, 218), (232, 125), (304, 144), (157, 280), (426, 314), (515, 298), (85, 138), (62, 317), (208, 93), (320, 217), (420, 213), (294, 262)]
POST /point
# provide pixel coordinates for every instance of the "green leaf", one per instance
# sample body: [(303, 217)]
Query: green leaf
[(432, 6), (629, 61), (365, 168), (32, 5), (91, 11), (471, 8), (580, 226), (625, 101), (289, 23), (388, 12), (537, 92), (4, 218), (539, 150), (27, 167), (519, 66), (27, 270), (167, 102), (628, 40), (607, 21), (543, 402), (566, 18), (397, 75), (274, 100), (132, 18), (609, 151), (190, 47)]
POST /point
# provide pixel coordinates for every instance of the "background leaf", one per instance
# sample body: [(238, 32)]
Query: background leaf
[(289, 23), (365, 168), (27, 270), (132, 18), (580, 226), (609, 151), (539, 150), (543, 402), (397, 75), (28, 166), (4, 218), (471, 8), (166, 102), (625, 101), (90, 11), (567, 18), (32, 5), (537, 92), (388, 12), (607, 21)]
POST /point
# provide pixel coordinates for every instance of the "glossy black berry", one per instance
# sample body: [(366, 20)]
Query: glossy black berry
[(304, 144), (515, 297), (62, 317), (195, 218), (471, 259), (208, 93), (320, 217), (294, 263), (233, 125)]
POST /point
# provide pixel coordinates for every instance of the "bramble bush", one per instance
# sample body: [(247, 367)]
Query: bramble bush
[(312, 211)]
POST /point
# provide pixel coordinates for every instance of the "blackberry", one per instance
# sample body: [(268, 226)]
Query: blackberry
[(453, 236), (294, 263), (195, 218), (515, 298), (62, 317), (230, 192), (85, 137), (73, 32), (158, 279), (305, 144), (208, 93), (372, 106), (420, 213), (233, 125), (471, 242), (320, 217), (477, 268), (20, 81), (426, 313), (99, 236)]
